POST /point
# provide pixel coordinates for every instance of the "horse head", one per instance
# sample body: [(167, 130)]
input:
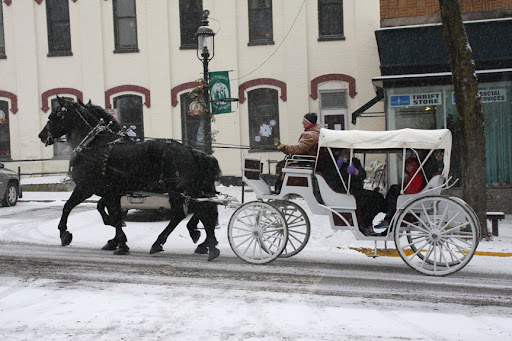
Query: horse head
[(70, 119)]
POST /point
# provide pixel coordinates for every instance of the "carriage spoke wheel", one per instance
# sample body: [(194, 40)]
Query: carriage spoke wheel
[(436, 235), (299, 227), (257, 232)]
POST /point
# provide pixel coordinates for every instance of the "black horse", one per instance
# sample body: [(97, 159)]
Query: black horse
[(114, 127), (107, 165)]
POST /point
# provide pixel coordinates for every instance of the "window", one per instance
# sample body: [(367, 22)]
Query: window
[(192, 130), (260, 22), (191, 12), (61, 148), (330, 20), (5, 137), (59, 35), (333, 110), (129, 114), (125, 26), (2, 40), (263, 118)]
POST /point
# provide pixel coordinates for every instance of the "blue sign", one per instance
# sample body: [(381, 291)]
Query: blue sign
[(400, 100)]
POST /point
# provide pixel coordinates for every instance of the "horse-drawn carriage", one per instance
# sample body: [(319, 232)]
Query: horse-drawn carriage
[(434, 234)]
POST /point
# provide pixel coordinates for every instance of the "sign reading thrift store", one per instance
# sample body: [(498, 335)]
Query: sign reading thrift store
[(219, 89), (416, 100)]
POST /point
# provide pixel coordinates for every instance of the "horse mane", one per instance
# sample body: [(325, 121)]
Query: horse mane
[(101, 113)]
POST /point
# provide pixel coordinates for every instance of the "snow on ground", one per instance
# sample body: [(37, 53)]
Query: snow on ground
[(35, 309)]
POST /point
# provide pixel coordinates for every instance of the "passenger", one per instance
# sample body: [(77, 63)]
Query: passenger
[(307, 145), (412, 185), (434, 165), (368, 202)]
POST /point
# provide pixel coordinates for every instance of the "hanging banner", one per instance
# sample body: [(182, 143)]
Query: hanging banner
[(219, 88)]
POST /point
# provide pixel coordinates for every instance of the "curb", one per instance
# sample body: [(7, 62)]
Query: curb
[(394, 253)]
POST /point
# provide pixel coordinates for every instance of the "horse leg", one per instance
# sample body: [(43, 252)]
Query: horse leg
[(192, 228), (77, 197), (209, 219), (101, 207), (177, 215), (118, 243)]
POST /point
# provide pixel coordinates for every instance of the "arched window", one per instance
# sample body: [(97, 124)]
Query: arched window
[(61, 148), (192, 131), (5, 137), (129, 114), (263, 118)]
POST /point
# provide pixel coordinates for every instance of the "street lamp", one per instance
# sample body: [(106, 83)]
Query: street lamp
[(205, 52)]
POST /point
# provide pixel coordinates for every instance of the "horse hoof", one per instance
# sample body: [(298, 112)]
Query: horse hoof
[(214, 253), (66, 238), (122, 251), (201, 250), (195, 235), (155, 249), (110, 246)]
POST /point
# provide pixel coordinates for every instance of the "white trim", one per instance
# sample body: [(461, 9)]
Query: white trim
[(438, 74), (439, 24)]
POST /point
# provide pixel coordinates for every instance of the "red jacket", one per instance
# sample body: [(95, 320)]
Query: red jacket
[(418, 183)]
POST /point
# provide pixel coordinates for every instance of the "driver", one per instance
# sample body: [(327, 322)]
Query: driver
[(307, 144)]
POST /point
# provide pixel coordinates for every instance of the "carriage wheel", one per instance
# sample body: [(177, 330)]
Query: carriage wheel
[(257, 232), (299, 227), (436, 235)]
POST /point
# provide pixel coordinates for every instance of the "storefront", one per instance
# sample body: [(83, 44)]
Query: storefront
[(416, 82)]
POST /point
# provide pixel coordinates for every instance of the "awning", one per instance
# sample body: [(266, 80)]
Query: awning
[(422, 49)]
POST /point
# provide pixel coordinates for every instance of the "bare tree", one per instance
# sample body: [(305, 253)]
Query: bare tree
[(470, 116)]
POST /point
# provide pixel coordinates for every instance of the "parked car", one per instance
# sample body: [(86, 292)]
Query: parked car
[(9, 186)]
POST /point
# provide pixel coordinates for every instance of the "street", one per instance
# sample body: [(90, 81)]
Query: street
[(340, 277), (50, 291)]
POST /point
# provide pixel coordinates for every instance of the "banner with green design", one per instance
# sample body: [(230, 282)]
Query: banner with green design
[(219, 88)]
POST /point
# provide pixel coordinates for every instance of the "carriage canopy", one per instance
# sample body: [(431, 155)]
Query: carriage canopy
[(391, 139)]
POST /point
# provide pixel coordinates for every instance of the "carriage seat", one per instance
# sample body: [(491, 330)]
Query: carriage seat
[(251, 175), (433, 187), (332, 198)]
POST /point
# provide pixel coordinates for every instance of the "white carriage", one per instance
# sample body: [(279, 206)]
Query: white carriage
[(433, 233)]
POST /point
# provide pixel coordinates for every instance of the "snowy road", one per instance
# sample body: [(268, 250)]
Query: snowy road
[(303, 277), (329, 291)]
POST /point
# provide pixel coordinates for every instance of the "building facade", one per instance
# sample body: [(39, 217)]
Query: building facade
[(417, 84), (138, 59)]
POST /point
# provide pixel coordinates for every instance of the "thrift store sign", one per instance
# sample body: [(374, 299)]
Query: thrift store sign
[(219, 85), (416, 100)]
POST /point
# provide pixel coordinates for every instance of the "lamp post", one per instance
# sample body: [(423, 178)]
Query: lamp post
[(205, 53)]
